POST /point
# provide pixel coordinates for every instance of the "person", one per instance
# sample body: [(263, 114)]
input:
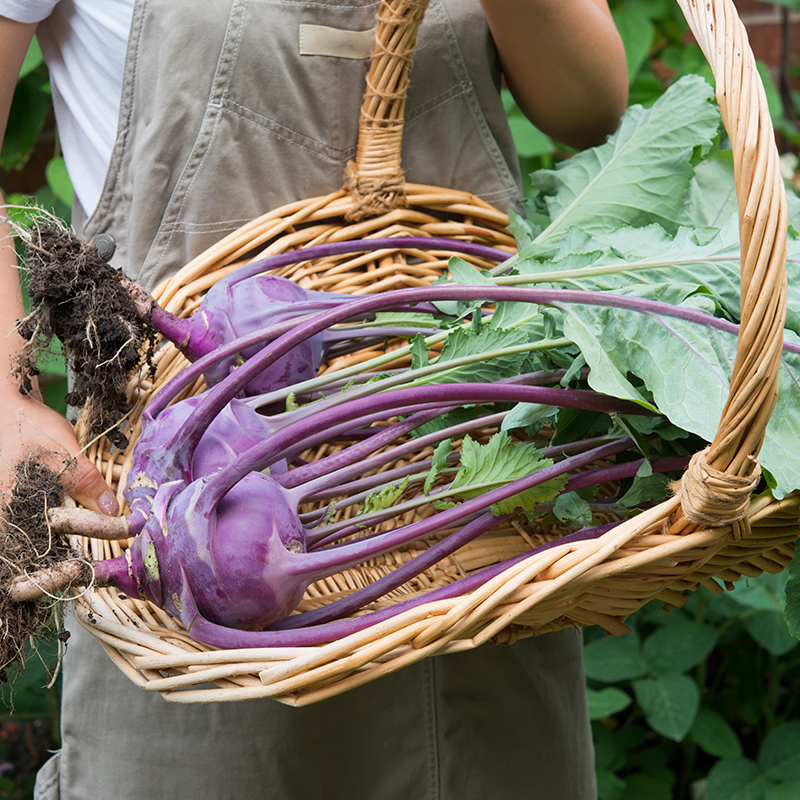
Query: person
[(179, 121)]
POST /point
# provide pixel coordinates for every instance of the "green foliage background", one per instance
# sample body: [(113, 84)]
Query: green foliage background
[(696, 704)]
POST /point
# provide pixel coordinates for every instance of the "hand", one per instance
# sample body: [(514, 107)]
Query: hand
[(30, 426)]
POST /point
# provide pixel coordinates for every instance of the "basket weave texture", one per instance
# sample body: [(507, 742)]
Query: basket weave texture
[(709, 531)]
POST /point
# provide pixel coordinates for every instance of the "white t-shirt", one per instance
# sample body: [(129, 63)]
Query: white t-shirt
[(83, 42)]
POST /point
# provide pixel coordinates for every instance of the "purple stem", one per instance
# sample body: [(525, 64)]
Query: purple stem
[(314, 470), (367, 245), (338, 557), (395, 400), (396, 577), (230, 639)]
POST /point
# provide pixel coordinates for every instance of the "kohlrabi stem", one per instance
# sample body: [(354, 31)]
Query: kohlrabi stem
[(333, 249), (329, 468), (279, 443), (338, 557), (176, 329), (397, 577), (230, 639), (318, 473)]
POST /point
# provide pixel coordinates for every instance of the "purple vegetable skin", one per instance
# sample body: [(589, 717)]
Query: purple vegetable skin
[(231, 311)]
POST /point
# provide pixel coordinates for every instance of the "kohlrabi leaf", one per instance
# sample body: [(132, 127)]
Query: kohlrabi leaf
[(711, 200), (499, 461), (642, 174), (685, 367), (571, 509), (383, 497), (408, 319), (485, 357), (438, 463), (465, 274), (630, 258)]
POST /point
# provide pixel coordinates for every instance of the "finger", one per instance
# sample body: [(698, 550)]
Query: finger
[(86, 486)]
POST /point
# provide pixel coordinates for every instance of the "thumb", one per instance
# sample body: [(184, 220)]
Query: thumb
[(86, 486)]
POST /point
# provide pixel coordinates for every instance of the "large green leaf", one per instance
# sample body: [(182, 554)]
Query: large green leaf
[(641, 174), (686, 368), (631, 258), (735, 779), (614, 659), (669, 702), (679, 645), (714, 734)]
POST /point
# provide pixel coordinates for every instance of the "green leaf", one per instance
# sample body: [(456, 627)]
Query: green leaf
[(765, 592), (641, 175), (464, 274), (638, 258), (419, 352), (636, 31), (33, 59), (408, 319), (487, 356), (606, 702), (438, 462), (783, 791), (524, 415), (686, 367), (613, 659), (609, 785), (58, 180), (735, 779), (645, 490), (384, 497), (712, 193), (680, 645), (670, 703), (768, 628), (654, 785), (779, 755), (714, 734), (29, 109), (497, 463), (793, 595), (528, 139), (572, 509)]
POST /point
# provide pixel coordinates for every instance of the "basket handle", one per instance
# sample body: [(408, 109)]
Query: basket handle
[(731, 458), (375, 180)]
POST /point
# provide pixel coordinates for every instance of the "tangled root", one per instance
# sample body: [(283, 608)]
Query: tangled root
[(27, 544), (78, 298)]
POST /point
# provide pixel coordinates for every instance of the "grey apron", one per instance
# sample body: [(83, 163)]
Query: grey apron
[(221, 119)]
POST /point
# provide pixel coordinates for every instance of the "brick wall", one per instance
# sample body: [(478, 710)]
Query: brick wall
[(764, 29)]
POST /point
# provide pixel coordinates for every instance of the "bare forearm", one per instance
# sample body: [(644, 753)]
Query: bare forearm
[(564, 62), (11, 309)]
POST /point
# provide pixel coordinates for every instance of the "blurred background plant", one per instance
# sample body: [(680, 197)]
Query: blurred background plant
[(696, 704)]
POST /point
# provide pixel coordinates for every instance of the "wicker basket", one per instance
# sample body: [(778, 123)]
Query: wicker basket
[(709, 532)]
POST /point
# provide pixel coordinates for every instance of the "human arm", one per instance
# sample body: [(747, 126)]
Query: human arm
[(564, 62), (27, 424)]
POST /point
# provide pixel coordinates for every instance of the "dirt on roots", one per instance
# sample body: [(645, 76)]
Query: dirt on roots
[(27, 544), (78, 298)]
